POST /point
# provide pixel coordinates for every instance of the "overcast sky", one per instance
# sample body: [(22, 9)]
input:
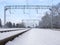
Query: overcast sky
[(16, 15)]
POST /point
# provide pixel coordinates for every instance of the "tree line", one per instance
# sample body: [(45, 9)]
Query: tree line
[(12, 25), (51, 18)]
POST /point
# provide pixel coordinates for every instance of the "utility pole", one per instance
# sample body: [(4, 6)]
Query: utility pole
[(5, 15)]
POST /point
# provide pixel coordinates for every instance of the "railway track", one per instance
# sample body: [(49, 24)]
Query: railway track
[(10, 30), (4, 41), (22, 29)]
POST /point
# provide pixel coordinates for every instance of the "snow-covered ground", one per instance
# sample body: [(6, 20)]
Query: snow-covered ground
[(4, 29), (8, 34), (37, 37)]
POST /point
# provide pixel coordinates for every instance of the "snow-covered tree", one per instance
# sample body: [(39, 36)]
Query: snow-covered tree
[(52, 18), (8, 25), (13, 25), (46, 21), (20, 25)]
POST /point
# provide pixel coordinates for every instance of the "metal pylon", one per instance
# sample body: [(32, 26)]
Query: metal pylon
[(36, 7)]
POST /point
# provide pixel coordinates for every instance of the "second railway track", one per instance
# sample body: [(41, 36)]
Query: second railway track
[(4, 41)]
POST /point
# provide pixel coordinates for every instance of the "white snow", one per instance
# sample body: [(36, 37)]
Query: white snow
[(8, 34), (37, 37)]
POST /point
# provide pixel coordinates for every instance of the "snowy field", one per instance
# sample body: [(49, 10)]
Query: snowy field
[(37, 37), (8, 34)]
